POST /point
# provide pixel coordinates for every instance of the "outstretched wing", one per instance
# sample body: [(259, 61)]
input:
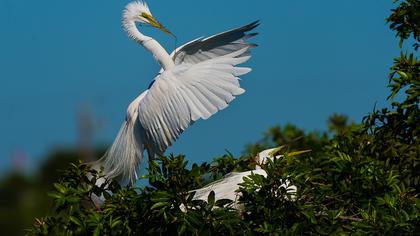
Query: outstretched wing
[(187, 93), (214, 46)]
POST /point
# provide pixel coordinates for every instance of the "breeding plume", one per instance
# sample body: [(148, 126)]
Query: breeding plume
[(197, 80)]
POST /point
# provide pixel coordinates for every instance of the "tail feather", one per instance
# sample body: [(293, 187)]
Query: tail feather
[(123, 158)]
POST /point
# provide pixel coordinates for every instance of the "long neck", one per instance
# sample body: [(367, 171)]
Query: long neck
[(158, 52)]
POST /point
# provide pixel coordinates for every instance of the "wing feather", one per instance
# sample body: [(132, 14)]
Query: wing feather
[(187, 93), (202, 49), (214, 46)]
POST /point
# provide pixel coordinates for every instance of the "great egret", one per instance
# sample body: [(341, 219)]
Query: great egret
[(196, 80)]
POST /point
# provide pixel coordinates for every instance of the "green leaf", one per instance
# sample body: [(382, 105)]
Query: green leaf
[(54, 195), (60, 188), (75, 220), (211, 198), (191, 196), (402, 74), (159, 205), (97, 231), (116, 223), (182, 229)]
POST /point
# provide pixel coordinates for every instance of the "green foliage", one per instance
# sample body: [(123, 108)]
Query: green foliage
[(405, 20), (166, 205), (337, 193), (358, 179)]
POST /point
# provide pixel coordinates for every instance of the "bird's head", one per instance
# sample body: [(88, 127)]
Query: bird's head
[(138, 11)]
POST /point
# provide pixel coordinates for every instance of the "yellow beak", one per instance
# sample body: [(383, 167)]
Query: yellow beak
[(155, 23)]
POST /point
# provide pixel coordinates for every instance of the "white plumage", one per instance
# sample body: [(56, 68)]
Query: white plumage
[(228, 186), (197, 80)]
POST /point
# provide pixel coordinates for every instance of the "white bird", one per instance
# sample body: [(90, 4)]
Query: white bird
[(197, 80), (227, 187)]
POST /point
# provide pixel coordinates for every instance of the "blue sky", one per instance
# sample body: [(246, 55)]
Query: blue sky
[(57, 57)]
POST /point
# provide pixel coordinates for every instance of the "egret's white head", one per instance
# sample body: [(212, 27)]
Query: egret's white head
[(138, 11)]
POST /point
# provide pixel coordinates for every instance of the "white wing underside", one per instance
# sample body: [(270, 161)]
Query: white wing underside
[(204, 81), (187, 93)]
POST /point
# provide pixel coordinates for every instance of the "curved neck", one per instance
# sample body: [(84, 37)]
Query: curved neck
[(158, 52)]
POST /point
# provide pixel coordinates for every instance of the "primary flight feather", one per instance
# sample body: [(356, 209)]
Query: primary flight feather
[(197, 80)]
